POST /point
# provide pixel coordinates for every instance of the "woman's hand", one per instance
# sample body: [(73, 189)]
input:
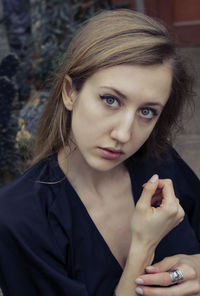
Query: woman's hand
[(158, 275), (150, 224)]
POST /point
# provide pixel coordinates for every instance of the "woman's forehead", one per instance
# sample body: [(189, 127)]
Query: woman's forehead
[(127, 81)]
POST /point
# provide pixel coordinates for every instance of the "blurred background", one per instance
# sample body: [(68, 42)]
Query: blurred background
[(35, 33)]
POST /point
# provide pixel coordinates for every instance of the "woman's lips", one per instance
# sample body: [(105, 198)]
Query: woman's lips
[(110, 153)]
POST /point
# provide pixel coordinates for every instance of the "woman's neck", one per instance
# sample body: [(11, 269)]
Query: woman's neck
[(82, 176)]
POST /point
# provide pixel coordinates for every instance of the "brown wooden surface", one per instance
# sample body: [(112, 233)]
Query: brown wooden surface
[(130, 3), (182, 15), (186, 10)]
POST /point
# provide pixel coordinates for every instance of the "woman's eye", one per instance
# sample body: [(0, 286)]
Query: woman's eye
[(148, 113), (110, 101)]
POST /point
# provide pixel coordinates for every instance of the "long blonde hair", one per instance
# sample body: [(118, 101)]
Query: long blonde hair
[(111, 38)]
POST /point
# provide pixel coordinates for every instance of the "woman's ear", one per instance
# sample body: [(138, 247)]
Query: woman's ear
[(68, 93)]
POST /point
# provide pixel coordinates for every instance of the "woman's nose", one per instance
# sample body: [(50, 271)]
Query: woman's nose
[(122, 131)]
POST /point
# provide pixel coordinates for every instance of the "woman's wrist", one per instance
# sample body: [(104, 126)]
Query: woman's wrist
[(138, 243), (142, 253), (138, 258)]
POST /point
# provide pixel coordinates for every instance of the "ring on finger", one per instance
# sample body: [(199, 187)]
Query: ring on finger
[(176, 275)]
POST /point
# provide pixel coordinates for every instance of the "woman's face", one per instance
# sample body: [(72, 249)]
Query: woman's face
[(116, 111)]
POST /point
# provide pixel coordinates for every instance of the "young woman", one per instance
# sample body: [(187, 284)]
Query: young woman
[(106, 196)]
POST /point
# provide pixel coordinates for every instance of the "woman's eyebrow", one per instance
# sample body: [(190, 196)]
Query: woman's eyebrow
[(154, 104), (125, 97), (116, 91)]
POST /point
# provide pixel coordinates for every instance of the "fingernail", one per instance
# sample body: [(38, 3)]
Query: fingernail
[(154, 178), (150, 267), (139, 291), (139, 281)]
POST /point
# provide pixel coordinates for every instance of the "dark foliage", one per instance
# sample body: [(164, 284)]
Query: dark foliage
[(39, 32), (8, 92), (9, 66), (58, 21)]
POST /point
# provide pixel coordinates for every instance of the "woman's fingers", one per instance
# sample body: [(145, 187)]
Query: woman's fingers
[(159, 279), (156, 200), (150, 223), (182, 289), (160, 193), (170, 202), (149, 190), (164, 265), (159, 282), (158, 190), (167, 188)]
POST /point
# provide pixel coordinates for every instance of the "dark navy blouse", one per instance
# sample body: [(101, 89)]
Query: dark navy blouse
[(50, 246)]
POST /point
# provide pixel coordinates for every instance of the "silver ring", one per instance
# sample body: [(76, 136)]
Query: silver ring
[(176, 275)]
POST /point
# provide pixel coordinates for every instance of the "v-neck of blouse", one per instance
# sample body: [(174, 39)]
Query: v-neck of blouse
[(136, 186)]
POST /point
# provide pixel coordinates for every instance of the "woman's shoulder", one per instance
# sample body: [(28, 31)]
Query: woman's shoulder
[(45, 172), (30, 212), (187, 187), (29, 197), (181, 173), (169, 165)]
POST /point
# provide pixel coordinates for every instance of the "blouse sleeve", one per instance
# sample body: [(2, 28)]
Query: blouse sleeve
[(188, 186), (30, 260)]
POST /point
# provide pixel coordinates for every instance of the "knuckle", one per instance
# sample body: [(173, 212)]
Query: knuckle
[(176, 211), (172, 210), (168, 182), (165, 281), (180, 210), (180, 219), (193, 274), (140, 206), (149, 186), (181, 214)]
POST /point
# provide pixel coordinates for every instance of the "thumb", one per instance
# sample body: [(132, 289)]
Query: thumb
[(149, 190), (164, 265)]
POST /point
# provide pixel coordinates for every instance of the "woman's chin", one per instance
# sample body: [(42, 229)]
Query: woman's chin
[(103, 165)]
